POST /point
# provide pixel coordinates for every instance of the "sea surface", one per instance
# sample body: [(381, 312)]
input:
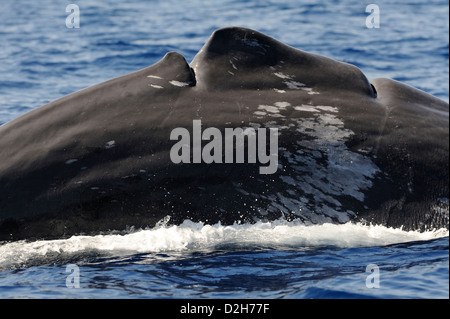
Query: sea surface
[(41, 60)]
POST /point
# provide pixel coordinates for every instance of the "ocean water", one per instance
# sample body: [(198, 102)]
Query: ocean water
[(264, 260), (41, 60)]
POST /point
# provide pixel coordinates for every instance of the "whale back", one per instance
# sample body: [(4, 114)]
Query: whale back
[(348, 150)]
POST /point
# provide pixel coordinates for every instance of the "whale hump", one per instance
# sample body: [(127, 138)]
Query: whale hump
[(240, 58), (174, 66)]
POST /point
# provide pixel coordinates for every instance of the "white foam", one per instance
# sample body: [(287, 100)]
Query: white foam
[(191, 237)]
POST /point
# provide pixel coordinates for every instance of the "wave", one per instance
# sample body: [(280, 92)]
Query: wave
[(194, 237)]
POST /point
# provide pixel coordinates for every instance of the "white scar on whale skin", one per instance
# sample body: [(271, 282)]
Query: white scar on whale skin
[(293, 85), (254, 43), (268, 108), (305, 108), (315, 108), (309, 90), (71, 161), (110, 144), (282, 75), (272, 110), (233, 65), (155, 85), (173, 82), (282, 105), (178, 83), (320, 170)]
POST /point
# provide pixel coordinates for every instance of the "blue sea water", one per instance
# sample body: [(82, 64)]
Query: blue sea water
[(41, 60)]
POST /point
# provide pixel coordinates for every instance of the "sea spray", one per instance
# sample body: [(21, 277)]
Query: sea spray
[(192, 237)]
